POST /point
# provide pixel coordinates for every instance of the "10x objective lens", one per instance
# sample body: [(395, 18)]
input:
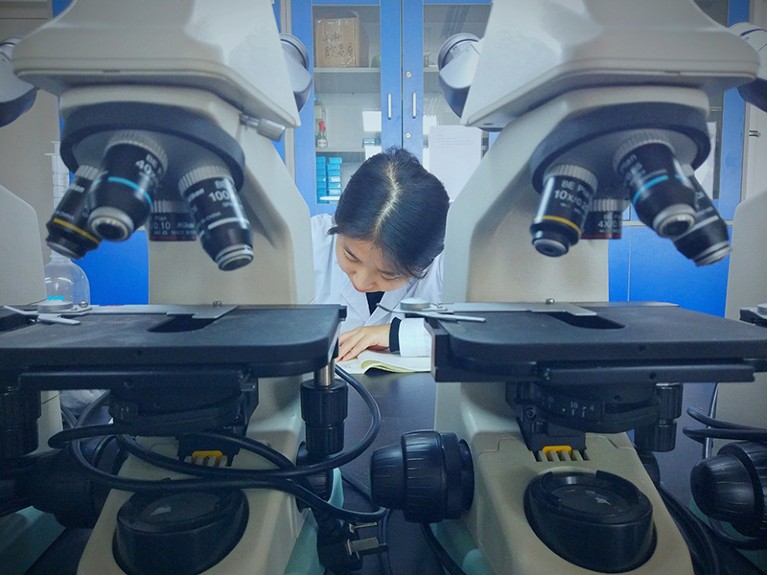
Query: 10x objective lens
[(223, 228), (121, 198), (68, 230), (662, 195), (567, 194)]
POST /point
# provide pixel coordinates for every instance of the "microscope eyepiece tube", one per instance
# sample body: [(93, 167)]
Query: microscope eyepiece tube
[(121, 198), (68, 231), (567, 194), (222, 226), (662, 195)]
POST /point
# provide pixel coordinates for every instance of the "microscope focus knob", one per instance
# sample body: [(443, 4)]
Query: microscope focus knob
[(429, 476), (732, 487)]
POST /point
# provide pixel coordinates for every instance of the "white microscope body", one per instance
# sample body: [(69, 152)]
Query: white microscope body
[(541, 68), (128, 68)]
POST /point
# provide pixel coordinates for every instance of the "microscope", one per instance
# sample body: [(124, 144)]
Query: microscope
[(599, 105), (222, 389)]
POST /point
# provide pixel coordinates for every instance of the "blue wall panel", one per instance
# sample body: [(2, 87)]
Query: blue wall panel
[(618, 262), (657, 272), (118, 272)]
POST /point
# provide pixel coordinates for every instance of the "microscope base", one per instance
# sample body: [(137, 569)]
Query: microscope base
[(503, 468), (274, 540)]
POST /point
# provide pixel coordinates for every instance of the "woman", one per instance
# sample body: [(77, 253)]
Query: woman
[(382, 245)]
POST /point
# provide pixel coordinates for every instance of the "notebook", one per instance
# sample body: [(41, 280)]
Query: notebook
[(386, 361)]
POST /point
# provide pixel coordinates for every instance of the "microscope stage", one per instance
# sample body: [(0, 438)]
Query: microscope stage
[(621, 342), (264, 340)]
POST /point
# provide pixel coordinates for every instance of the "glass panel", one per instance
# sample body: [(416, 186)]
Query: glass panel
[(708, 173), (347, 88), (440, 22)]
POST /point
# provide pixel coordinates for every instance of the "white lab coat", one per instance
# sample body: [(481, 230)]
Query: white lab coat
[(332, 286)]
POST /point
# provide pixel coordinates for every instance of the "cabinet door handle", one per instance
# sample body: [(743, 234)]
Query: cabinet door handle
[(388, 106), (414, 107)]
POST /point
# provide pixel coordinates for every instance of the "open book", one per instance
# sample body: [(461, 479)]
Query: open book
[(386, 361)]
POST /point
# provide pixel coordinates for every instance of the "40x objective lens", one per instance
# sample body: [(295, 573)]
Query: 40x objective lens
[(68, 231), (661, 193), (223, 228), (121, 199)]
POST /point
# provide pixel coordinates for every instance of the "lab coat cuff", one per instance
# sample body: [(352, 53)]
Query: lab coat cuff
[(414, 338)]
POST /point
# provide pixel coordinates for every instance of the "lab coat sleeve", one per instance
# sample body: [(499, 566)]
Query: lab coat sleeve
[(414, 338)]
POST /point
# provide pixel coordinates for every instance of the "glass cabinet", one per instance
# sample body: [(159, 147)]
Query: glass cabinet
[(375, 84)]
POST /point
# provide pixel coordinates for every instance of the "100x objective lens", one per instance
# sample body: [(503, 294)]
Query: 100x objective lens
[(661, 193), (68, 231), (567, 194), (223, 228), (707, 241), (121, 198)]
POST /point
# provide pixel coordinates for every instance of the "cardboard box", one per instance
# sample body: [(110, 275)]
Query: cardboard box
[(340, 43)]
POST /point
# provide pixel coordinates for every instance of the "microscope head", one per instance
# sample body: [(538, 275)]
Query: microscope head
[(16, 96), (535, 51), (631, 82), (754, 92), (141, 85)]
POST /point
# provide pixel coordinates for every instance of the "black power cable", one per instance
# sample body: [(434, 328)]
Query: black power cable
[(445, 560), (699, 542), (279, 479)]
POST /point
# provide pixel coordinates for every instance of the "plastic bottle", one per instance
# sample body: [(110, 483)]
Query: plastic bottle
[(66, 282)]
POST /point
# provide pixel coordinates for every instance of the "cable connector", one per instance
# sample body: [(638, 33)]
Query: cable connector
[(340, 547)]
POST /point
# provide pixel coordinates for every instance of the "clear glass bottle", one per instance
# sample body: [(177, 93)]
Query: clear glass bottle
[(66, 282)]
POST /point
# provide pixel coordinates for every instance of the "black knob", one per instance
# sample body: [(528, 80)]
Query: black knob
[(429, 476), (324, 410), (19, 411), (732, 486)]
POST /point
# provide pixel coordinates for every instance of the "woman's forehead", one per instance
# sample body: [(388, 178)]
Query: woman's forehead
[(366, 251)]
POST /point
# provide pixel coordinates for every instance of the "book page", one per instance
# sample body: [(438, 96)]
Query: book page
[(386, 361)]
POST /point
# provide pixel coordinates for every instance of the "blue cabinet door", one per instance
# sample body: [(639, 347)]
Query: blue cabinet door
[(356, 109)]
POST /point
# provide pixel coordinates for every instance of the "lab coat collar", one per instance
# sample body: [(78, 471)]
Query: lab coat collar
[(354, 300), (359, 303)]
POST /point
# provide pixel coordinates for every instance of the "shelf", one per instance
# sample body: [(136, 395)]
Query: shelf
[(339, 151), (347, 80)]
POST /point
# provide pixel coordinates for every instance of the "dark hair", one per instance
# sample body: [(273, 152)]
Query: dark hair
[(392, 201)]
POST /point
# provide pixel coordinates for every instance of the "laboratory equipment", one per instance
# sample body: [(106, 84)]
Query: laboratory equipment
[(16, 96), (177, 110), (592, 100)]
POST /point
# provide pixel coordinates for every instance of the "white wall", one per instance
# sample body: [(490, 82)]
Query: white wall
[(24, 168)]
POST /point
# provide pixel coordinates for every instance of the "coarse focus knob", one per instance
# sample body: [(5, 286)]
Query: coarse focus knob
[(429, 476), (732, 486)]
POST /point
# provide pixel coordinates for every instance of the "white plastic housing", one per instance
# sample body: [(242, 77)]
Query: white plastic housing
[(534, 50), (229, 48)]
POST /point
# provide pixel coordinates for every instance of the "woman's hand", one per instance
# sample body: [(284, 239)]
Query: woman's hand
[(354, 342)]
